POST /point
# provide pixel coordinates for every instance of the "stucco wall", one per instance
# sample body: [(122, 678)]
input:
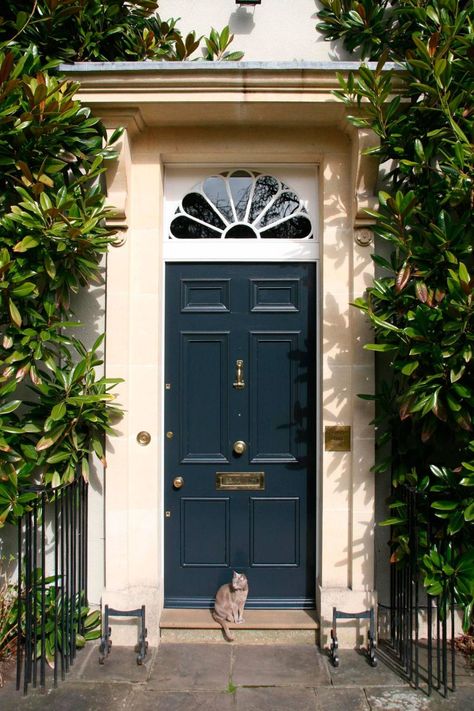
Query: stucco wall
[(276, 30)]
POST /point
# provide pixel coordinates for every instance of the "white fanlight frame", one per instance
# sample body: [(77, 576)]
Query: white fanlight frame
[(180, 180)]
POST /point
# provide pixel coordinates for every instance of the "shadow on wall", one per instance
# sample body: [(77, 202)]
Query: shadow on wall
[(360, 551), (337, 394), (338, 348), (241, 21)]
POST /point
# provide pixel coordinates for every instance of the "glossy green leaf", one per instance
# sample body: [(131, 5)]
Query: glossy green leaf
[(410, 367), (9, 407), (56, 480), (14, 313), (49, 439), (380, 347), (469, 510), (25, 244), (445, 505), (58, 411), (435, 589)]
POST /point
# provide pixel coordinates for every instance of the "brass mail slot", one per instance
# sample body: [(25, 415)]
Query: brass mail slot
[(240, 481)]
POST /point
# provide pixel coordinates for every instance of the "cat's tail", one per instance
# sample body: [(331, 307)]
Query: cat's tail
[(227, 633)]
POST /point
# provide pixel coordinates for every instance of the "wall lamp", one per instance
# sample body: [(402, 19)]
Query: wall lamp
[(248, 2)]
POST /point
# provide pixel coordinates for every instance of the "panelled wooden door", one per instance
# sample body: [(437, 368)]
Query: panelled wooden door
[(240, 367)]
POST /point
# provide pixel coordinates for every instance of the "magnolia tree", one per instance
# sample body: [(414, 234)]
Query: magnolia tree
[(421, 306), (54, 409), (52, 238)]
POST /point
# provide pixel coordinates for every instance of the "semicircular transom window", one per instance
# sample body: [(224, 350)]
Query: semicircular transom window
[(241, 204)]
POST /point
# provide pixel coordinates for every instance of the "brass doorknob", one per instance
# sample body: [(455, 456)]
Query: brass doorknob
[(239, 447), (178, 482)]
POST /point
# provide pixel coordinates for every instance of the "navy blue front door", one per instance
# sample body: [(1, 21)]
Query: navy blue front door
[(240, 368)]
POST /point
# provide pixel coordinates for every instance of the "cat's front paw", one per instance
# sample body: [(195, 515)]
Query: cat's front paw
[(240, 621)]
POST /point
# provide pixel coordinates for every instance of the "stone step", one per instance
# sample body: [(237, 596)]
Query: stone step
[(260, 627)]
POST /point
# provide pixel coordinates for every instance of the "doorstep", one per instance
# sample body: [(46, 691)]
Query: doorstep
[(260, 627)]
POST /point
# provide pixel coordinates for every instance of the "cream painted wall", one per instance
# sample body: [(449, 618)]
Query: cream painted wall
[(275, 31)]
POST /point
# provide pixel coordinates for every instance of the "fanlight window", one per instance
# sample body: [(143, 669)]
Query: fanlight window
[(241, 204)]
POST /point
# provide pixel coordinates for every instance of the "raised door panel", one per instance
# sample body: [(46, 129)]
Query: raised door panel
[(205, 295), (204, 532), (273, 396), (204, 397), (274, 295), (275, 532)]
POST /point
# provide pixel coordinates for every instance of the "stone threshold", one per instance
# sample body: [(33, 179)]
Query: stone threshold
[(195, 619)]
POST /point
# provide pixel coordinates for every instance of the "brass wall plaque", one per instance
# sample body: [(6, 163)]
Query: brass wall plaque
[(240, 481), (337, 438)]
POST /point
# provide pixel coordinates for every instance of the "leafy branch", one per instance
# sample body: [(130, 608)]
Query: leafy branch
[(53, 234), (421, 305), (106, 30)]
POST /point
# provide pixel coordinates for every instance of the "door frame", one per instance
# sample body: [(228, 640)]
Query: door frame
[(230, 256)]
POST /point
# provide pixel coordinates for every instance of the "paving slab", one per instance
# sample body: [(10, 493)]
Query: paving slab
[(119, 665), (332, 699), (295, 665), (355, 670), (406, 699), (275, 699), (140, 700), (86, 656), (190, 667), (70, 695), (196, 677), (464, 672)]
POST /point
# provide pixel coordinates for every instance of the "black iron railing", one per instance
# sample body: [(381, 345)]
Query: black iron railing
[(52, 582), (421, 627)]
